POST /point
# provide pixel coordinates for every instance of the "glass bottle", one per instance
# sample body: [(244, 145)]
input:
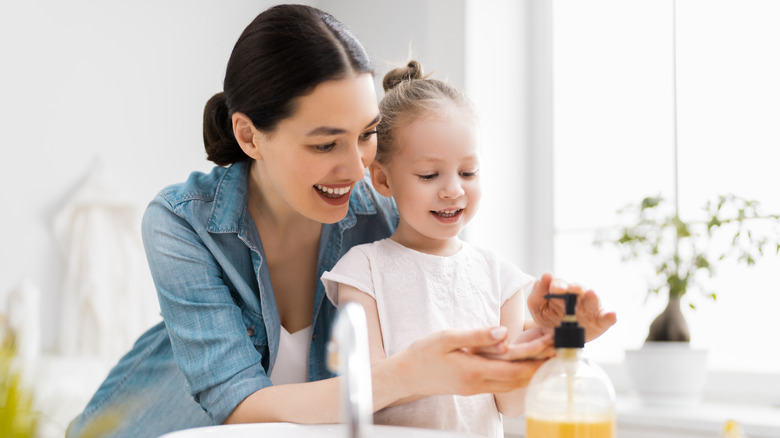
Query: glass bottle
[(570, 396)]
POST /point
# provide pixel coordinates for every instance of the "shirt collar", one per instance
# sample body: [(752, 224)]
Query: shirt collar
[(230, 200)]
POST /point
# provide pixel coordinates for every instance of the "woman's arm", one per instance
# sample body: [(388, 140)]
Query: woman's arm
[(315, 402), (524, 345), (433, 365), (318, 402)]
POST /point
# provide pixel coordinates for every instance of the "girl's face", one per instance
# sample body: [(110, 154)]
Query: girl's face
[(433, 176), (312, 160)]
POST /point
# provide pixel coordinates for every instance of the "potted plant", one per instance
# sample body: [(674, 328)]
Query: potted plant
[(684, 257), (17, 417)]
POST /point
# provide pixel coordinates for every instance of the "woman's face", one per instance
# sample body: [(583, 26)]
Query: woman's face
[(312, 160)]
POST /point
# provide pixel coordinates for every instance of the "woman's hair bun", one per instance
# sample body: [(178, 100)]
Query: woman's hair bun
[(221, 145), (411, 71)]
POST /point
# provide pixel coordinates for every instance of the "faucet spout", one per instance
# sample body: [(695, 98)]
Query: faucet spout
[(348, 356)]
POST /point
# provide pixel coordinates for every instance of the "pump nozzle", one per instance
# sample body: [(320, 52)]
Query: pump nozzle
[(569, 299), (569, 334)]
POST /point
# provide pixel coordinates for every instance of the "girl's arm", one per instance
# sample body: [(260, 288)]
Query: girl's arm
[(533, 344)]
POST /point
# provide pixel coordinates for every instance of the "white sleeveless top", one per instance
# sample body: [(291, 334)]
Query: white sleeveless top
[(292, 358), (417, 294)]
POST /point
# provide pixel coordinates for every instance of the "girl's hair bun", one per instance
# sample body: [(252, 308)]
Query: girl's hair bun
[(411, 71)]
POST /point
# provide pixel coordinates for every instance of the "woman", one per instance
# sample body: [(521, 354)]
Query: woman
[(236, 254)]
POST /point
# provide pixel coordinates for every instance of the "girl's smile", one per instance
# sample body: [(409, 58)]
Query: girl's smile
[(448, 216)]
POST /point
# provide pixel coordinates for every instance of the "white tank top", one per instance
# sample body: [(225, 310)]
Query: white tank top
[(292, 358)]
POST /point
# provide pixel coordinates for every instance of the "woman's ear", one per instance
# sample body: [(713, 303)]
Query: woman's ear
[(379, 178), (245, 130)]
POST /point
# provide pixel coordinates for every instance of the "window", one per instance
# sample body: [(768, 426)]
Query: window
[(614, 144)]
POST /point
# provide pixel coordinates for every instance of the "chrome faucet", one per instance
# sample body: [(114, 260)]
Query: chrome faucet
[(348, 357)]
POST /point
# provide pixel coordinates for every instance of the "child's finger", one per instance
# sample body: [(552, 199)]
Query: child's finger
[(540, 347)]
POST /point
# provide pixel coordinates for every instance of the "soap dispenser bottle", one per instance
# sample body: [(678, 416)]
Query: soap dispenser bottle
[(569, 396)]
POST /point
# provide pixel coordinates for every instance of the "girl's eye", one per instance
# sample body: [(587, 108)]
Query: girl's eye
[(471, 174), (325, 147), (428, 176), (366, 136)]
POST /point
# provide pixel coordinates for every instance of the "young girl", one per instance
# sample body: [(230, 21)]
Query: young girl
[(424, 278)]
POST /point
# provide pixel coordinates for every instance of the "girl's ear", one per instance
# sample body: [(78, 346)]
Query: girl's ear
[(245, 130), (379, 178)]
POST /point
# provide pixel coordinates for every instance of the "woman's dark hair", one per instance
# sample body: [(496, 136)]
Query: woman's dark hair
[(283, 54)]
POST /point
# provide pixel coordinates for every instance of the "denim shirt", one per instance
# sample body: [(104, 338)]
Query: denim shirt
[(220, 321)]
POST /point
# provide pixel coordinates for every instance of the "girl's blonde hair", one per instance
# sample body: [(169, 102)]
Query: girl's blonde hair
[(409, 95)]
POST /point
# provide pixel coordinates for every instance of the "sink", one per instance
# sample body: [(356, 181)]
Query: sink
[(292, 430)]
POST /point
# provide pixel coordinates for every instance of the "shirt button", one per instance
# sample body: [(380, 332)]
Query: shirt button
[(250, 331), (314, 337)]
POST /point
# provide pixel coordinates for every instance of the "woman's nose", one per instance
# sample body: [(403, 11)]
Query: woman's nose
[(367, 155), (358, 158)]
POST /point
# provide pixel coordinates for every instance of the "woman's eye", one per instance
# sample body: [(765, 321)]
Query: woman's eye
[(366, 136), (325, 147), (428, 176)]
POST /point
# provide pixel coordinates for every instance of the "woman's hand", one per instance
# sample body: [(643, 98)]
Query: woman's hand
[(549, 313), (442, 363)]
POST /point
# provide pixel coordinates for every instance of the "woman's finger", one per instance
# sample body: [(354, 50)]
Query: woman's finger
[(468, 339)]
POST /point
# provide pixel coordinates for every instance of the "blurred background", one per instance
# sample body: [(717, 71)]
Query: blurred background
[(102, 106)]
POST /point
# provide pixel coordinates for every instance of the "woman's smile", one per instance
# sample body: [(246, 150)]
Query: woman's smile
[(334, 195)]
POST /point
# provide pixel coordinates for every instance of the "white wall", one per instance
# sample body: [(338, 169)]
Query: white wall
[(508, 48), (430, 31), (125, 83)]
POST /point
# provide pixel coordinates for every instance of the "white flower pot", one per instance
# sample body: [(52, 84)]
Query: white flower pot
[(667, 373)]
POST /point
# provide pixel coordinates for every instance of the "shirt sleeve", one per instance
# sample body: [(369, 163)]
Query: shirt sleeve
[(513, 280), (206, 327), (353, 269)]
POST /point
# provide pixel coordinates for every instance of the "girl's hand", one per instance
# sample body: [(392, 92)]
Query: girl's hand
[(532, 344), (442, 363), (549, 313)]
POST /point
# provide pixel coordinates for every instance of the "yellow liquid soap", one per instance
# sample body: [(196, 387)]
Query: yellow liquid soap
[(565, 429), (569, 358)]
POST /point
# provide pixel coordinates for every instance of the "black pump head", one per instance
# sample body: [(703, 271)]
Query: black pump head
[(569, 334)]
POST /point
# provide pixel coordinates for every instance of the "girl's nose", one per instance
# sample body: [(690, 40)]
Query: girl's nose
[(452, 189)]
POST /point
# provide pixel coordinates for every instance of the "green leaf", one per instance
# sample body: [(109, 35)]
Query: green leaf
[(650, 202), (681, 227), (677, 285), (714, 222)]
